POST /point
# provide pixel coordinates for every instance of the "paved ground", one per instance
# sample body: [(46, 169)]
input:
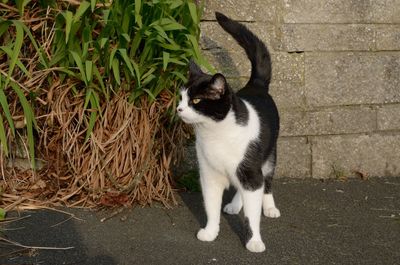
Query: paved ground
[(330, 222)]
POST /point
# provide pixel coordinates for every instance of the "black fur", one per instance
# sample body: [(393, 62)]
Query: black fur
[(241, 112), (248, 171), (200, 85), (254, 47), (215, 109), (248, 233)]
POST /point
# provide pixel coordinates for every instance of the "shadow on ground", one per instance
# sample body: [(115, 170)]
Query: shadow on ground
[(46, 228), (193, 202)]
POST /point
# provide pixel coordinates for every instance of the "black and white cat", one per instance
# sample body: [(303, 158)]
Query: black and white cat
[(236, 135)]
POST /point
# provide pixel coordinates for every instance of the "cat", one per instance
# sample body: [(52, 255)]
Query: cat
[(236, 137)]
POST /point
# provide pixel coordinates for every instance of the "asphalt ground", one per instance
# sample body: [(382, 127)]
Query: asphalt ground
[(322, 222)]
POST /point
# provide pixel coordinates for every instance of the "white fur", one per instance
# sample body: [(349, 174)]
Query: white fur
[(235, 205), (269, 207), (220, 147), (268, 167)]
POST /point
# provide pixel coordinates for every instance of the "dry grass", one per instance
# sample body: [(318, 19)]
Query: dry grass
[(127, 159)]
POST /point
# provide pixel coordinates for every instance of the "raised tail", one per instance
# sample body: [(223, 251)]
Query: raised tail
[(255, 49)]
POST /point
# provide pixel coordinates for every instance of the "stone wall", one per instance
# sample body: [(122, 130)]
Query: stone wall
[(336, 79)]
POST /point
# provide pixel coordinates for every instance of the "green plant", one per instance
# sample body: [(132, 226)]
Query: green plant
[(339, 173), (63, 63), (12, 50), (139, 46), (2, 214)]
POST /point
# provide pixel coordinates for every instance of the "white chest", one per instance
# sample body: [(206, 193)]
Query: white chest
[(223, 145)]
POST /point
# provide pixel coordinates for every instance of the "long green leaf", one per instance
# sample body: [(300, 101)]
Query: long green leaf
[(195, 44), (19, 37), (151, 70), (96, 72), (95, 109), (39, 50), (175, 4), (115, 68), (138, 17), (6, 110), (4, 25), (30, 122), (193, 12), (79, 63), (112, 55), (89, 70), (81, 10), (180, 76), (2, 212), (90, 126), (148, 79), (21, 5), (3, 137), (87, 98), (127, 61), (68, 24), (165, 60), (137, 73), (93, 4), (9, 52), (152, 96)]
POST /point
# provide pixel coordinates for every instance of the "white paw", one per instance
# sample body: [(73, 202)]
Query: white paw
[(255, 246), (272, 212), (206, 235), (231, 208)]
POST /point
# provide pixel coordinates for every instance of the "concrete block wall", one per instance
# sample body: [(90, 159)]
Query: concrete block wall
[(336, 79)]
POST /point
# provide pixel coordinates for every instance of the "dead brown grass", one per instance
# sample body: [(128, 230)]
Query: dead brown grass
[(126, 160)]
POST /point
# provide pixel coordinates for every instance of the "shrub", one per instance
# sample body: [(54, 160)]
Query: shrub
[(90, 88)]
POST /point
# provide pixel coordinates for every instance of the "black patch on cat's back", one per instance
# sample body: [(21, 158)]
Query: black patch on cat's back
[(269, 120), (241, 111)]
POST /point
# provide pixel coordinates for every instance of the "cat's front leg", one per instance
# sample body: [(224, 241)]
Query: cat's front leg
[(212, 185), (252, 202)]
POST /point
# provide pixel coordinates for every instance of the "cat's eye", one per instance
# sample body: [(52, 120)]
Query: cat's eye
[(196, 100)]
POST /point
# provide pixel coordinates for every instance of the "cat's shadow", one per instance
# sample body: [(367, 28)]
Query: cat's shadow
[(194, 202)]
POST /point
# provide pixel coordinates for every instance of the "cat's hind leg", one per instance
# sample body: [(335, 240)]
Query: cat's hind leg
[(268, 204), (269, 207), (235, 205)]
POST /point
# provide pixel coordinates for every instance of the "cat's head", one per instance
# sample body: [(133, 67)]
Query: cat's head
[(205, 98)]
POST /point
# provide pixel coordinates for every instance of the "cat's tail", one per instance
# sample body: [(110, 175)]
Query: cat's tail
[(255, 49)]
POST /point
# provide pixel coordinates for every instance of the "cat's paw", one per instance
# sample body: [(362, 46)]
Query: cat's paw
[(255, 246), (272, 212), (231, 208), (206, 235)]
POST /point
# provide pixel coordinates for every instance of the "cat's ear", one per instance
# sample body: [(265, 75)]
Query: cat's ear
[(217, 86), (194, 70)]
